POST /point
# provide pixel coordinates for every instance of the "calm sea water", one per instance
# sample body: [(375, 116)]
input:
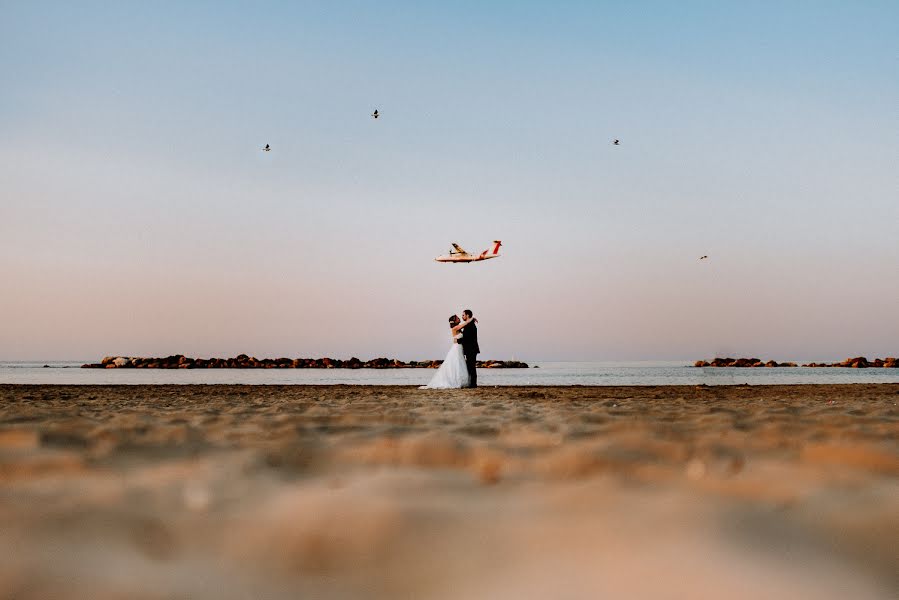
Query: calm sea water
[(549, 373)]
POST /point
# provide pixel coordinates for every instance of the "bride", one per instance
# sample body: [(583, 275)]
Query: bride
[(452, 373)]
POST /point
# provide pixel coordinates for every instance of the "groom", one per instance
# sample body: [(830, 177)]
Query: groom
[(470, 347)]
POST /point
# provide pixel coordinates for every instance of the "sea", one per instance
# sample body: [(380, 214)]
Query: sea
[(540, 373)]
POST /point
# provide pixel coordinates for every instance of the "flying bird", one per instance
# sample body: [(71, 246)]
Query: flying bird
[(267, 148), (616, 142), (375, 114), (703, 257)]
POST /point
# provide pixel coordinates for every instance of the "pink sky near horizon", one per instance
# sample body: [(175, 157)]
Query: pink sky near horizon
[(109, 287)]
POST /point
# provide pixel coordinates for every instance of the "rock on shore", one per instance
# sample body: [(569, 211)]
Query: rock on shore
[(859, 362), (242, 361)]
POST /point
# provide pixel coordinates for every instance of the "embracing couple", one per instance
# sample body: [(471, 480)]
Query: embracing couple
[(458, 369)]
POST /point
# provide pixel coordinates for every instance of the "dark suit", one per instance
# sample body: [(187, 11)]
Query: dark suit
[(470, 349)]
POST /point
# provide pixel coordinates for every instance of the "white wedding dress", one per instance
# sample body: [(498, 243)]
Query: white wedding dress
[(452, 373)]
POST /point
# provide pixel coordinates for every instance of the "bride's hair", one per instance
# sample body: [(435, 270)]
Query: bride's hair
[(453, 319)]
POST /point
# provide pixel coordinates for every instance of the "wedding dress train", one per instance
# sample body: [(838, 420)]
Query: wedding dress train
[(452, 373)]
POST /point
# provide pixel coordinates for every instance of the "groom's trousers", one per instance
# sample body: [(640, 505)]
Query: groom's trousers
[(471, 363)]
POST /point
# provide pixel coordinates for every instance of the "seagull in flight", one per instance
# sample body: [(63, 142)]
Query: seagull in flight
[(375, 114), (616, 142), (267, 148)]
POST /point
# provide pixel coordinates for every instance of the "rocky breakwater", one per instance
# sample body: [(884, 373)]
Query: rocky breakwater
[(242, 361), (860, 362), (742, 362)]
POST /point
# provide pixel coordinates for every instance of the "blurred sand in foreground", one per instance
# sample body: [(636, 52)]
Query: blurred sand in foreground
[(152, 492)]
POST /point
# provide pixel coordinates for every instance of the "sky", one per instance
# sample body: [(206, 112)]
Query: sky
[(139, 216)]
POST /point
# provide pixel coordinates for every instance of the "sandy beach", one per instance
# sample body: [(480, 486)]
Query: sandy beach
[(151, 492)]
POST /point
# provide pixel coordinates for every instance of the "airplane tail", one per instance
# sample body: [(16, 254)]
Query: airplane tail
[(495, 250)]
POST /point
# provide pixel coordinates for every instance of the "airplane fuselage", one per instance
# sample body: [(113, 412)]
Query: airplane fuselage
[(458, 255)]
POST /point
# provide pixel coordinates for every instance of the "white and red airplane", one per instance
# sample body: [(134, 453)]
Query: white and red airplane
[(458, 255)]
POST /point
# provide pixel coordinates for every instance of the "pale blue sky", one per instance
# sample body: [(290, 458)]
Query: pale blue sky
[(139, 216)]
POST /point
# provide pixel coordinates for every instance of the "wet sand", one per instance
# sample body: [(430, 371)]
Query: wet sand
[(150, 492)]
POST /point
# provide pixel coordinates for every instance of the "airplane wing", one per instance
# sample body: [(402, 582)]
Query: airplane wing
[(459, 249)]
